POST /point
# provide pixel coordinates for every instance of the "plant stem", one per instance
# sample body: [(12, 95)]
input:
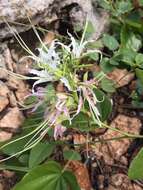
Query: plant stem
[(130, 135)]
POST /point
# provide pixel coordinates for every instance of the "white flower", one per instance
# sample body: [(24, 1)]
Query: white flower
[(66, 83), (77, 48), (43, 76), (50, 56)]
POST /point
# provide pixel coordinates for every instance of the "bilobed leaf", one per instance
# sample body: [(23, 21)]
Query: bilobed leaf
[(49, 176), (71, 155), (39, 153), (136, 167), (110, 42)]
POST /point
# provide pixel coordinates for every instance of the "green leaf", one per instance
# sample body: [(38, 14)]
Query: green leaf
[(49, 176), (81, 122), (126, 55), (110, 42), (113, 61), (90, 30), (77, 28), (108, 85), (139, 58), (23, 159), (140, 2), (123, 7), (139, 87), (14, 168), (136, 167), (71, 155), (71, 179), (130, 40), (15, 147), (39, 153), (105, 4), (133, 19), (50, 95), (104, 106), (106, 66), (94, 56), (139, 74), (31, 100)]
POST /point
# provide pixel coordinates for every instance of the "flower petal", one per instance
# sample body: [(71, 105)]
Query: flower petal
[(66, 83), (58, 131)]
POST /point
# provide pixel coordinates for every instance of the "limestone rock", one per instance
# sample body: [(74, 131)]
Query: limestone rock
[(3, 89), (12, 119), (3, 74), (12, 99), (114, 150), (3, 102), (47, 12)]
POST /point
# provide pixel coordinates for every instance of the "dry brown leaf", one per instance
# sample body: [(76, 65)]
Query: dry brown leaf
[(81, 174), (121, 76)]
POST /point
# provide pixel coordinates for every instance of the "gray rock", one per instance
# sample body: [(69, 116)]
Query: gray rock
[(47, 11), (16, 13)]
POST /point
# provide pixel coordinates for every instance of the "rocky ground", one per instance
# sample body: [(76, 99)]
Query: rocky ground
[(108, 162)]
